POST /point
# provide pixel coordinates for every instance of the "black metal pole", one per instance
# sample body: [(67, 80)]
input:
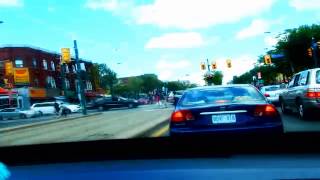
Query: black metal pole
[(80, 87)]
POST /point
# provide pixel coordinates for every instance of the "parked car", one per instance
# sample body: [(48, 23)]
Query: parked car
[(45, 108), (71, 108), (108, 102), (229, 108), (272, 92), (302, 94), (15, 113)]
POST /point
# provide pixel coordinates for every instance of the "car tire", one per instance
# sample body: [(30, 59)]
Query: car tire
[(100, 108), (302, 112), (23, 116), (283, 107), (68, 111), (130, 106)]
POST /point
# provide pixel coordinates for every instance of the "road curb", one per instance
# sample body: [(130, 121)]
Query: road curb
[(143, 134), (45, 123)]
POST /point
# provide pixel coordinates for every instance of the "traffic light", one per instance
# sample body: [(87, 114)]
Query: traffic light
[(203, 66), (229, 63), (267, 59), (309, 52), (214, 65)]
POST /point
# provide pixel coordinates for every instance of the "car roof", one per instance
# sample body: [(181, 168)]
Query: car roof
[(45, 103), (219, 86), (277, 85)]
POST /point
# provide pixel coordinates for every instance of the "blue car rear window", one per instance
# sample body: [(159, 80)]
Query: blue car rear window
[(221, 95)]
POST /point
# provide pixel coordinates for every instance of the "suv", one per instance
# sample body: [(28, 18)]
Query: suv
[(302, 94)]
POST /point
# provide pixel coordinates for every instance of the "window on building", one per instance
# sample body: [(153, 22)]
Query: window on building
[(67, 83), (34, 62), (51, 83), (45, 64), (53, 68), (36, 82), (67, 68), (73, 68), (19, 63), (88, 85)]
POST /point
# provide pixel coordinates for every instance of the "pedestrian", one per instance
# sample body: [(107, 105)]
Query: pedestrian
[(63, 110), (57, 108)]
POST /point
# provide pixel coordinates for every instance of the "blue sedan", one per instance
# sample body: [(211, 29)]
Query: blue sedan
[(229, 108)]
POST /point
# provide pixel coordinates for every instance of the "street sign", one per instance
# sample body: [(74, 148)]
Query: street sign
[(65, 55)]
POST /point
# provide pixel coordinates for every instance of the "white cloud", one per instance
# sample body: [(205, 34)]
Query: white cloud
[(51, 9), (305, 4), (119, 7), (176, 40), (197, 13), (257, 27), (11, 3), (270, 41), (188, 14)]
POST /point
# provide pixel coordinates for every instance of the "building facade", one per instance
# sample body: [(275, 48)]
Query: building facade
[(40, 72)]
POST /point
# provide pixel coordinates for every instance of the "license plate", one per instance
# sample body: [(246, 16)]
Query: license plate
[(224, 118)]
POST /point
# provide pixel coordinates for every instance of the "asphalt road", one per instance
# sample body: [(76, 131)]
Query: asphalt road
[(113, 124), (290, 121)]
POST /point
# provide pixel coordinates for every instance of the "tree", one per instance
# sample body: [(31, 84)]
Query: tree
[(95, 75), (134, 85), (108, 78), (150, 82), (293, 43), (214, 78)]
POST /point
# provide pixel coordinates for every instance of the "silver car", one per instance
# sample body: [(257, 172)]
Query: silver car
[(272, 92), (14, 113), (302, 94)]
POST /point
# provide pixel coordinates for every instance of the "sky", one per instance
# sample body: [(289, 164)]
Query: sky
[(167, 37)]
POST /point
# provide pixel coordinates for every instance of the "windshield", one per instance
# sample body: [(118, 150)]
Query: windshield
[(156, 68), (271, 88)]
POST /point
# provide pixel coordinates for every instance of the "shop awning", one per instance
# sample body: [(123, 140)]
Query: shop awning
[(6, 91)]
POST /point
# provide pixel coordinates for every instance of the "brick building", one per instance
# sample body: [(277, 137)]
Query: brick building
[(39, 71)]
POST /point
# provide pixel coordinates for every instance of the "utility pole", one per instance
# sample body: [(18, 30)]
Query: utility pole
[(80, 87), (314, 51)]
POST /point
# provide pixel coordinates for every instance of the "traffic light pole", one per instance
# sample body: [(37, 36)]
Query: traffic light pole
[(80, 87), (208, 66), (314, 52)]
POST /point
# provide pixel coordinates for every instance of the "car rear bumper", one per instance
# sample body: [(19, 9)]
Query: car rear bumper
[(273, 99), (274, 128), (312, 104)]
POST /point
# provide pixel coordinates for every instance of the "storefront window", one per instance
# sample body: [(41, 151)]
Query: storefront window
[(51, 83)]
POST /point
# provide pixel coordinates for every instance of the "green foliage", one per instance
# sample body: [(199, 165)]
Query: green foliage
[(179, 85), (215, 78)]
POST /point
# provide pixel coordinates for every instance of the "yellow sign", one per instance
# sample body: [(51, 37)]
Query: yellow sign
[(21, 75), (65, 55), (8, 68)]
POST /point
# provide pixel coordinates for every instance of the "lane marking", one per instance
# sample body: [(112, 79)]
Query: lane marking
[(161, 131)]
